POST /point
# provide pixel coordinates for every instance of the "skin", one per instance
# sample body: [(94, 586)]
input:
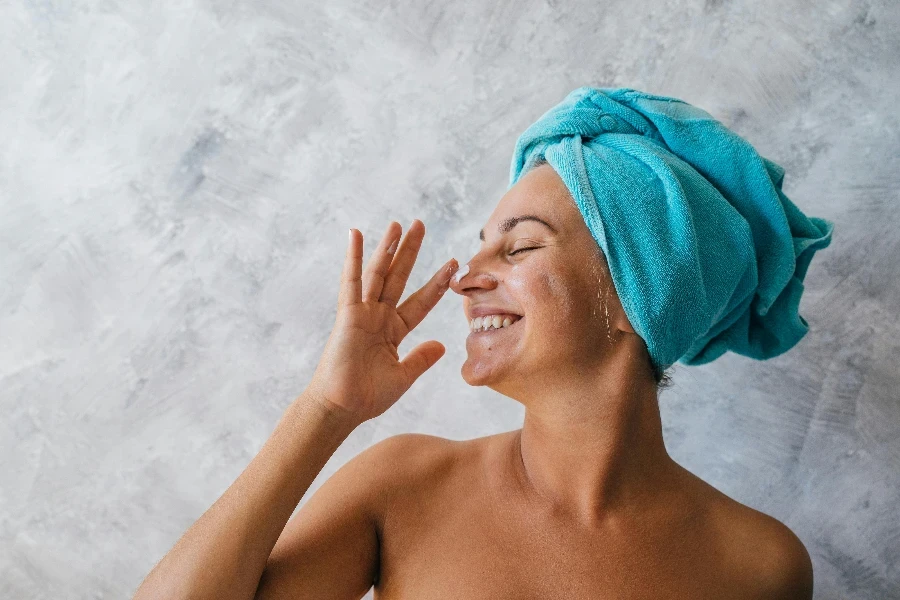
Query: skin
[(582, 502)]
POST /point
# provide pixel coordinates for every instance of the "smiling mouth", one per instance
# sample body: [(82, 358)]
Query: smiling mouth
[(496, 329)]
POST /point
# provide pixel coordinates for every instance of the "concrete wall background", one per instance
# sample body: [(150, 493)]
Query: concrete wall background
[(176, 183)]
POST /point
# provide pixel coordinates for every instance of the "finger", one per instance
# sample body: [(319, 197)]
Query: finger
[(351, 282), (420, 303), (403, 263), (420, 359), (377, 268)]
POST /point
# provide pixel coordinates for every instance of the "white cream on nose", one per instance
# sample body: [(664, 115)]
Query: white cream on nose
[(462, 272)]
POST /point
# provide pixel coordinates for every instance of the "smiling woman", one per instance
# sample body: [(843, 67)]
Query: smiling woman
[(554, 288), (604, 261), (599, 266)]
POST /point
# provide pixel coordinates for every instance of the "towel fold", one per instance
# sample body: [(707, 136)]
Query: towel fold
[(706, 252)]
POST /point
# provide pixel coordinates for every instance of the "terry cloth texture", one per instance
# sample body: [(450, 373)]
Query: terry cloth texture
[(706, 252)]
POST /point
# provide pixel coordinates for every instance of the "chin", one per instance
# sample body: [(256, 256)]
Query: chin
[(481, 372), (493, 356)]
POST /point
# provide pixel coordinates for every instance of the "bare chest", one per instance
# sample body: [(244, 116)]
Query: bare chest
[(473, 546)]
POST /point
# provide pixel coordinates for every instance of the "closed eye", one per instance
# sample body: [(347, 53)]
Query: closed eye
[(523, 250)]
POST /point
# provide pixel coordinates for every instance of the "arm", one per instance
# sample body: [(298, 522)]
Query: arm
[(331, 548), (223, 555)]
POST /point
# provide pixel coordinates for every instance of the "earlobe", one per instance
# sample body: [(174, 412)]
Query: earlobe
[(617, 316), (622, 322), (627, 328)]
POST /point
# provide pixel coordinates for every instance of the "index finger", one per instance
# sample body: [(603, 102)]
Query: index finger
[(419, 304)]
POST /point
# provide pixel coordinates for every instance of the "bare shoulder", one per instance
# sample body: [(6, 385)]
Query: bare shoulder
[(417, 455), (413, 451), (781, 562), (416, 467), (415, 448), (409, 461), (764, 553)]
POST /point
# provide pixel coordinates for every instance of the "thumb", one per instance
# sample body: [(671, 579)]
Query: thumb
[(421, 358)]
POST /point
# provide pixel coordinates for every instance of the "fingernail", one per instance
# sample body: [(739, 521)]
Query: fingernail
[(448, 270), (392, 248)]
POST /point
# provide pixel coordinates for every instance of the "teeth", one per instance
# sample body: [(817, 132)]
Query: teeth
[(490, 322)]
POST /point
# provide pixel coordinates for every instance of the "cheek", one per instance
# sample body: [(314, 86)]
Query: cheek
[(560, 297), (547, 297), (568, 311)]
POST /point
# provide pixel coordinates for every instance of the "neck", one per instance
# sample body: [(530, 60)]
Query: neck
[(591, 445)]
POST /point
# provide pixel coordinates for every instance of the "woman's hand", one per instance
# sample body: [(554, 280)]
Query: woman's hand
[(360, 373)]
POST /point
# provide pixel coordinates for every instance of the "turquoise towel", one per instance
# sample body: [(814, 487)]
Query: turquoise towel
[(706, 252)]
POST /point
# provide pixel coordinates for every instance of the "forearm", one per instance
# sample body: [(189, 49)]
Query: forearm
[(224, 552)]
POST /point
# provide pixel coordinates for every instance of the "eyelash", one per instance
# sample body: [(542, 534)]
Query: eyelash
[(523, 249)]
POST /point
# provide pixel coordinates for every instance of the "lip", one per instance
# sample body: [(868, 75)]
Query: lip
[(492, 330), (481, 311)]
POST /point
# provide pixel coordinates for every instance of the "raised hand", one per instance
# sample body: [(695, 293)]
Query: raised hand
[(360, 373)]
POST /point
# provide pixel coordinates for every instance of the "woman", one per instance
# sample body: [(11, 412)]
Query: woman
[(583, 501)]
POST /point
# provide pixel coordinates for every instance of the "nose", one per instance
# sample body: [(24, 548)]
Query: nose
[(472, 278)]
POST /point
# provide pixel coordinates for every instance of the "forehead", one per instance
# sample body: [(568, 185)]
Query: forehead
[(540, 192)]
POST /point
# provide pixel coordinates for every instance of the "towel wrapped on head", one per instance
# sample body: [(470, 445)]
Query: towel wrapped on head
[(705, 251)]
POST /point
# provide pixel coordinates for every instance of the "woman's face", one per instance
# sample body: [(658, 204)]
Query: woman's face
[(550, 278)]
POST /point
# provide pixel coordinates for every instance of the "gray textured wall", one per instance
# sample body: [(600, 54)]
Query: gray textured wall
[(177, 179)]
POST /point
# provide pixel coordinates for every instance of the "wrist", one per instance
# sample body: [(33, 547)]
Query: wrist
[(331, 412)]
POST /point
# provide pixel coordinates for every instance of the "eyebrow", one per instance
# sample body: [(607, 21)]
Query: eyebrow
[(507, 225)]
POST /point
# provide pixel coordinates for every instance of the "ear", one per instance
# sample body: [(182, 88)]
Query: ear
[(618, 320), (617, 317)]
